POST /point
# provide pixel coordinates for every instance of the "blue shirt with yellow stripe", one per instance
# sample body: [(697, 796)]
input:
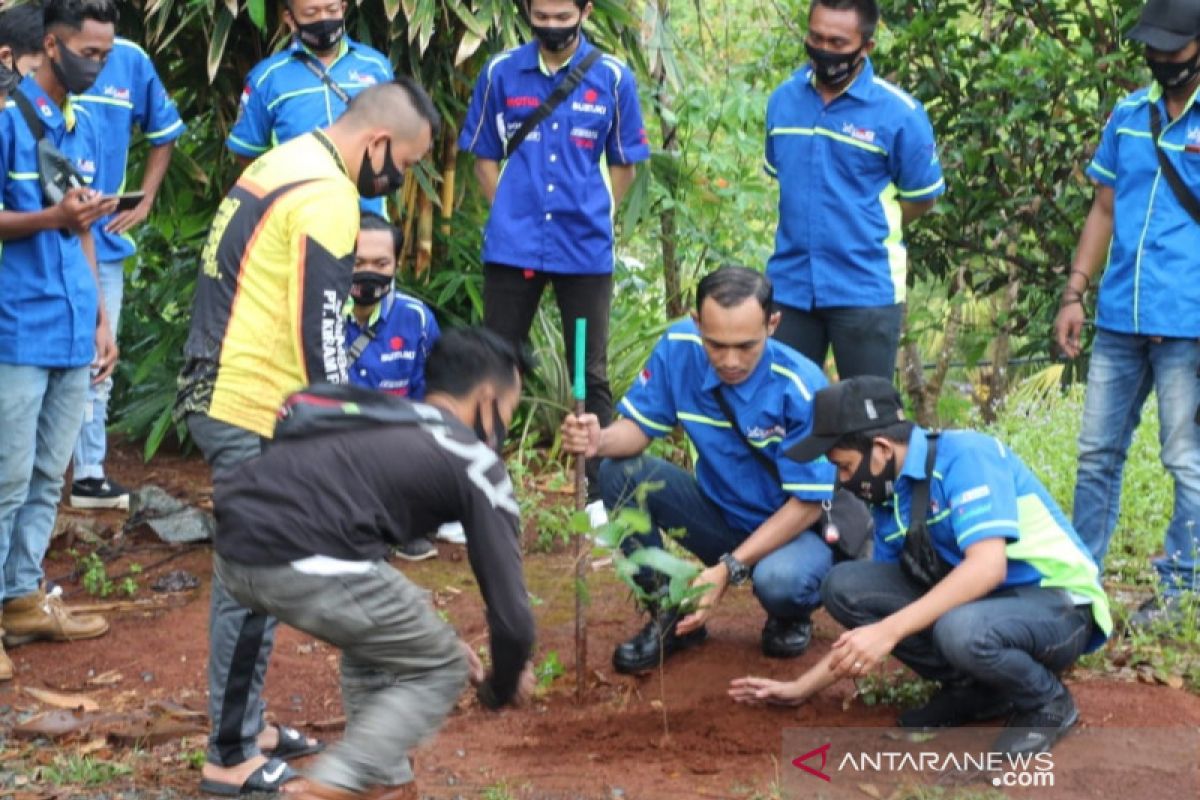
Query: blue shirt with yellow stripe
[(843, 169), (773, 407), (1149, 287), (982, 490), (284, 99), (127, 92), (394, 360), (48, 295), (554, 205)]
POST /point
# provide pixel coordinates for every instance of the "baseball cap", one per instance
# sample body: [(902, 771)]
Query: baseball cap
[(1168, 25), (858, 404)]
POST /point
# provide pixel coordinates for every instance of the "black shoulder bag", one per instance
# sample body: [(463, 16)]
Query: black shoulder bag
[(1186, 199), (846, 513), (573, 79), (56, 174), (919, 560), (318, 69)]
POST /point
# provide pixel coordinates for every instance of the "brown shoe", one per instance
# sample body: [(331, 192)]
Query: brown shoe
[(42, 616), (6, 665)]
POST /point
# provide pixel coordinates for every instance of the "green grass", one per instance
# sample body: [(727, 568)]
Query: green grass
[(74, 770)]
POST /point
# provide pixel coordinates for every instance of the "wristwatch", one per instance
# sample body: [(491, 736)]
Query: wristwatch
[(739, 573)]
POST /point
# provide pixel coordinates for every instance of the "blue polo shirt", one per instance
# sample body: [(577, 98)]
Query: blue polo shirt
[(1146, 288), (47, 289), (773, 407), (283, 99), (394, 361), (843, 169), (553, 207), (127, 92), (982, 490)]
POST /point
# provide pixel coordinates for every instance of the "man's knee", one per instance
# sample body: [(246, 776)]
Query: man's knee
[(838, 590), (963, 637), (788, 587), (619, 478)]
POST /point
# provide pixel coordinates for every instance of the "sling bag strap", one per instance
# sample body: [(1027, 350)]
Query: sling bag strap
[(1186, 199), (846, 512), (573, 79), (318, 69), (919, 560), (36, 127)]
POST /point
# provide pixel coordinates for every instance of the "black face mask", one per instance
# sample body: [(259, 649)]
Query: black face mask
[(377, 184), (323, 35), (368, 288), (874, 490), (1174, 75), (832, 69), (9, 79), (74, 72), (556, 39), (499, 429)]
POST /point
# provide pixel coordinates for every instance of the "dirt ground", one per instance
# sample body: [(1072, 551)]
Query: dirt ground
[(614, 745)]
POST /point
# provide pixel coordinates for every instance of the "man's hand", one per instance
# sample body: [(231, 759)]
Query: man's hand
[(106, 352), (475, 671), (1068, 326), (81, 207), (858, 651), (716, 578), (127, 220), (763, 691), (581, 434)]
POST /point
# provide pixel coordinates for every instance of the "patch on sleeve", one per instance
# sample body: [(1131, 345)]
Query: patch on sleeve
[(644, 377), (970, 495)]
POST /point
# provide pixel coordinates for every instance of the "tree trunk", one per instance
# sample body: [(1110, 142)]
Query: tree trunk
[(672, 281), (924, 392)]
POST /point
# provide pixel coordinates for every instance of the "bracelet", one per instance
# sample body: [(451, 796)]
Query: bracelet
[(1070, 301), (1087, 279)]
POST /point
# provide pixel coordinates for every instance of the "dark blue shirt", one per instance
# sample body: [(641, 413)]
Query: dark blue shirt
[(394, 360)]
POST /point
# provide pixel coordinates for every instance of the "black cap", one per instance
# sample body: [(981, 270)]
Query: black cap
[(1168, 25), (859, 404)]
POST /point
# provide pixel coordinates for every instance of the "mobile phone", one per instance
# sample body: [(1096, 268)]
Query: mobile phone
[(128, 200)]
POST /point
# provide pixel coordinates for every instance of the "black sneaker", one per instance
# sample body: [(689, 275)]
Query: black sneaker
[(1159, 611), (99, 493), (954, 705), (786, 638), (1037, 730), (417, 549)]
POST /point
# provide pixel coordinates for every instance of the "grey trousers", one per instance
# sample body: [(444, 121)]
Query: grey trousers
[(239, 640), (402, 667)]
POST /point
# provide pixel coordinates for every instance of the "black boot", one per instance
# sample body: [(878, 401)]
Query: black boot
[(642, 652), (956, 704), (786, 638)]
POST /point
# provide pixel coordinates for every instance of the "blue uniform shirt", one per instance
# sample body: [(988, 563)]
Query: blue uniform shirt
[(394, 361), (283, 99), (47, 289), (842, 170), (773, 407), (1149, 287), (127, 92), (554, 205), (982, 490)]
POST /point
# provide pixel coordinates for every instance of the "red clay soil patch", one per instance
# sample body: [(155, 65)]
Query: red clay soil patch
[(613, 745)]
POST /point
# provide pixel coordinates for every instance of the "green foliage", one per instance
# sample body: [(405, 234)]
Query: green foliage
[(548, 670), (497, 791), (93, 574), (76, 770), (899, 688)]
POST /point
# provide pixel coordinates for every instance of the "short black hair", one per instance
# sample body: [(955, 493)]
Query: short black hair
[(22, 30), (898, 432), (731, 285), (580, 4), (422, 102), (370, 221), (868, 14), (464, 358), (73, 13)]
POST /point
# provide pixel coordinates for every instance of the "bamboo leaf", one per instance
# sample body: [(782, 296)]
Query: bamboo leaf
[(216, 44), (466, 47), (258, 13), (391, 8)]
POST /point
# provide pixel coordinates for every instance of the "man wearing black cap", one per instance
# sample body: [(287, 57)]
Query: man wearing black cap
[(978, 580), (1144, 232)]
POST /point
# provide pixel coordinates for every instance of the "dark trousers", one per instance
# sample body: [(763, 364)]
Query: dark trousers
[(1014, 641), (510, 302), (864, 340)]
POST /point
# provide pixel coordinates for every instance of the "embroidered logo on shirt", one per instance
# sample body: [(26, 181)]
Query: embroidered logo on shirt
[(644, 378), (859, 134), (44, 107), (589, 107), (765, 433), (117, 94), (364, 79), (978, 493), (522, 101), (397, 343)]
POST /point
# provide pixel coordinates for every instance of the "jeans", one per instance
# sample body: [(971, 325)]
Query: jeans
[(787, 582), (92, 445), (239, 640), (1014, 641), (510, 303), (864, 339), (40, 413), (402, 667), (1123, 370)]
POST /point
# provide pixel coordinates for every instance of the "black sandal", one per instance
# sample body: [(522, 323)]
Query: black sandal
[(269, 779), (292, 744)]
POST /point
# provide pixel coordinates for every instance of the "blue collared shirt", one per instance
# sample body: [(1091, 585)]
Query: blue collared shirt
[(47, 289), (1148, 287), (283, 99), (394, 360), (773, 407), (127, 92), (982, 490), (843, 169), (554, 205)]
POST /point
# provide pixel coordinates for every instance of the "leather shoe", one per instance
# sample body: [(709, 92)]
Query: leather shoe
[(45, 616), (786, 638), (656, 642)]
